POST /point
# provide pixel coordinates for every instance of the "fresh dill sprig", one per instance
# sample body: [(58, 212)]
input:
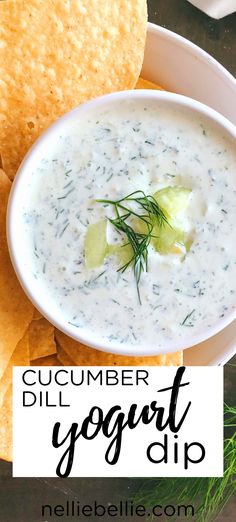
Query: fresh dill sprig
[(141, 208)]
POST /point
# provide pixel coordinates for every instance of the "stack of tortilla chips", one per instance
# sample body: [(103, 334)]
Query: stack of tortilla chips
[(55, 55)]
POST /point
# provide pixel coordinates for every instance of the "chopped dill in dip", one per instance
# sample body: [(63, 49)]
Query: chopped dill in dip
[(189, 282)]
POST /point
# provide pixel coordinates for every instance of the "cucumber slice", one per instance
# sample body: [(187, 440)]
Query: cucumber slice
[(123, 253), (173, 200), (166, 238), (188, 243), (95, 244)]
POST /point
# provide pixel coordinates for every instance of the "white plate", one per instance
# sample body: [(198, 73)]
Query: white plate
[(182, 67)]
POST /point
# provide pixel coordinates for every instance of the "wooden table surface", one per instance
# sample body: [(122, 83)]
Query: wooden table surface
[(20, 499)]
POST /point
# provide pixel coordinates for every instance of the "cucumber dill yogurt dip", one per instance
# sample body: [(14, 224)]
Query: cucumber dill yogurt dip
[(128, 220)]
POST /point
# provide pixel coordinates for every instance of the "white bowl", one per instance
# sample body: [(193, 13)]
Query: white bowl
[(215, 8), (181, 66), (16, 229)]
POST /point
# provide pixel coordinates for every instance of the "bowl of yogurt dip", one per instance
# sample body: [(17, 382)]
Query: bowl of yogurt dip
[(121, 223)]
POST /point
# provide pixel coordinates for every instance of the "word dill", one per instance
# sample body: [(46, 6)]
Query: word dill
[(150, 215)]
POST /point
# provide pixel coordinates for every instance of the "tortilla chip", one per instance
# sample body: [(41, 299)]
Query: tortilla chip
[(6, 426), (16, 311), (50, 360), (145, 84), (20, 357), (63, 357), (84, 356), (41, 339), (37, 315), (55, 55)]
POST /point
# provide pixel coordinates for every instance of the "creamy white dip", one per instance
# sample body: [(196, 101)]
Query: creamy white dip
[(109, 154)]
